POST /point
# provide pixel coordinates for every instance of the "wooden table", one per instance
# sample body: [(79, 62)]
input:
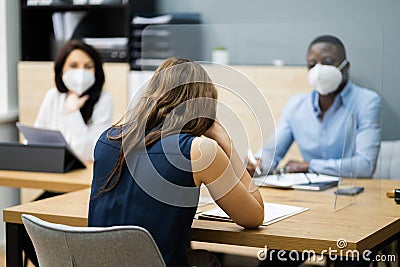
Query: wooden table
[(60, 182), (371, 222)]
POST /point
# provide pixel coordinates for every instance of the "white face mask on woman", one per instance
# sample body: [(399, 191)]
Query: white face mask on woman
[(78, 80), (326, 78)]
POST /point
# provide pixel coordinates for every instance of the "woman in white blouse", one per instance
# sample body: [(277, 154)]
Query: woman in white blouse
[(77, 106)]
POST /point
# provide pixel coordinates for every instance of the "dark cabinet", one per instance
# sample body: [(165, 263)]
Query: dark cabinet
[(102, 22), (180, 36)]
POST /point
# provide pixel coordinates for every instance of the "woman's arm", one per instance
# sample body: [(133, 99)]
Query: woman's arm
[(216, 163)]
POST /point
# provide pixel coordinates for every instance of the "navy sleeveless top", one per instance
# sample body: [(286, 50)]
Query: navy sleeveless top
[(156, 191)]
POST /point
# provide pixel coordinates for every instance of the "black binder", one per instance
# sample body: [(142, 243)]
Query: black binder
[(315, 186), (41, 158)]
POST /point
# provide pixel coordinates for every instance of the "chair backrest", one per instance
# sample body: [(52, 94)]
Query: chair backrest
[(62, 245), (388, 164)]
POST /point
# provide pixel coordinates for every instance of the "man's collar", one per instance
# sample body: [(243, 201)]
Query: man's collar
[(342, 97), (315, 98), (344, 94)]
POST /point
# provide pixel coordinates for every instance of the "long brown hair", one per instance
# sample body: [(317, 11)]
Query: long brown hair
[(162, 110)]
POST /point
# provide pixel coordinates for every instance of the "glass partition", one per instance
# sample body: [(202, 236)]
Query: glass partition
[(344, 193), (259, 67)]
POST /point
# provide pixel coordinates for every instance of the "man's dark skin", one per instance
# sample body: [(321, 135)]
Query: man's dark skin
[(325, 54)]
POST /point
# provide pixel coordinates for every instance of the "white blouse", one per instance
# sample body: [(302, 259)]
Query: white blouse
[(81, 137)]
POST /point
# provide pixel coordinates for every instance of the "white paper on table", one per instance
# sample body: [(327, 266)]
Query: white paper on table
[(273, 212)]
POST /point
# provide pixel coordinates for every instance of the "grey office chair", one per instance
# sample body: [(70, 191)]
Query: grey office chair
[(388, 164), (61, 245)]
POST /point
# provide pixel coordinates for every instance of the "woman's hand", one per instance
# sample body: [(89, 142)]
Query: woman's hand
[(74, 103), (218, 133)]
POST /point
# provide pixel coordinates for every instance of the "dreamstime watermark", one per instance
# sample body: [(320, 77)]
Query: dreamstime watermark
[(333, 254)]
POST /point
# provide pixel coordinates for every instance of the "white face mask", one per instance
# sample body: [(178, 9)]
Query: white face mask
[(326, 78), (78, 80)]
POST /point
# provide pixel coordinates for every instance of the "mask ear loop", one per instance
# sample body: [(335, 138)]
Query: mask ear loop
[(344, 63)]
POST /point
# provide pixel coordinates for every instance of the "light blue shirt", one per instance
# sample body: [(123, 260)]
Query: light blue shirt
[(350, 129)]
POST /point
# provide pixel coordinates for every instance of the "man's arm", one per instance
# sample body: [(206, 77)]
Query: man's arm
[(277, 147)]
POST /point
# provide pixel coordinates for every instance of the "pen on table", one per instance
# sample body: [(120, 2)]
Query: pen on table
[(280, 172), (253, 160), (308, 178)]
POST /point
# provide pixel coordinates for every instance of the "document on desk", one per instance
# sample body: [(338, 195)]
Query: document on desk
[(273, 212), (297, 180)]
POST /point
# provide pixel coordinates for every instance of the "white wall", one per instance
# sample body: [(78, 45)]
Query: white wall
[(3, 60), (9, 56)]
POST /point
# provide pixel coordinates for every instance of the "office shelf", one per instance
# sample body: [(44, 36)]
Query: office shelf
[(151, 43), (72, 7), (38, 42)]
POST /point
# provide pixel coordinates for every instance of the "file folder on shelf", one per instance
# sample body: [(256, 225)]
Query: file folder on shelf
[(41, 158)]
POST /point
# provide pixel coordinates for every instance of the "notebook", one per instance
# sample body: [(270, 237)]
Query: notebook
[(304, 181), (273, 212)]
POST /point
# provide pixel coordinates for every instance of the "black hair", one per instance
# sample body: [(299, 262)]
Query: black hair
[(331, 40), (94, 91)]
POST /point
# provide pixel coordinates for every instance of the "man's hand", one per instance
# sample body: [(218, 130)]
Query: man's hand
[(297, 166)]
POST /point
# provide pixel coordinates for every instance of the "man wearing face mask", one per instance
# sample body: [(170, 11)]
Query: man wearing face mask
[(77, 106), (320, 121)]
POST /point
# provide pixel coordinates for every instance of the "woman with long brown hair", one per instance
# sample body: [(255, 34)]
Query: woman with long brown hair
[(148, 169)]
